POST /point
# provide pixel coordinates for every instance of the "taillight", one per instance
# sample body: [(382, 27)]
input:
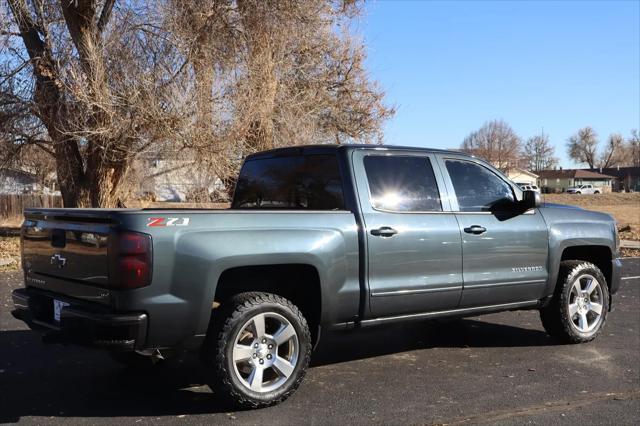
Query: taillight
[(131, 259)]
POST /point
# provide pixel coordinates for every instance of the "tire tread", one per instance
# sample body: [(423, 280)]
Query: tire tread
[(555, 319), (218, 336)]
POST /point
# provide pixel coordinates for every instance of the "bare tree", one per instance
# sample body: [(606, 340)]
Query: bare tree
[(539, 153), (96, 90), (496, 142), (613, 154), (277, 73), (97, 86), (633, 149), (582, 146)]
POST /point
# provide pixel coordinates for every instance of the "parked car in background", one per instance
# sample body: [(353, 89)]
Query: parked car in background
[(583, 189), (528, 187)]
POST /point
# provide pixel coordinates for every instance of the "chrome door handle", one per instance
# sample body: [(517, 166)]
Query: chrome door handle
[(385, 231), (475, 229)]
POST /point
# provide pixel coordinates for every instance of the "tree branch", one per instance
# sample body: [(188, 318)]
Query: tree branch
[(105, 15), (29, 31)]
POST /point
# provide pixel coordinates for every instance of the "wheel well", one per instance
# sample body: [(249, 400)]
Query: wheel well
[(598, 255), (299, 283)]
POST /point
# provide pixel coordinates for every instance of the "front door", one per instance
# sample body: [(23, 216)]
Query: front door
[(413, 241), (504, 250)]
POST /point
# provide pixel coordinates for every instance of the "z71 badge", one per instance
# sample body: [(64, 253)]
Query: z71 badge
[(168, 221)]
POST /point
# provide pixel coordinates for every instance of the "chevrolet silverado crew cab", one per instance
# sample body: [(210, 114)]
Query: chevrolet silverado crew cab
[(317, 237)]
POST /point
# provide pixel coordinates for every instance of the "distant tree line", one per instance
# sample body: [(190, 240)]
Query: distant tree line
[(584, 148), (499, 144), (88, 87)]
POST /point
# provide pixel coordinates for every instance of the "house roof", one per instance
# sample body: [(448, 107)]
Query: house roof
[(518, 170), (622, 172), (572, 174), (17, 174)]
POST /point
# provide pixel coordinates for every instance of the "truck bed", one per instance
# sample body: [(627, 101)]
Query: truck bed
[(70, 252)]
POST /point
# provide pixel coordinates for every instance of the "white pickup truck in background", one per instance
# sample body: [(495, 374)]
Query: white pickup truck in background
[(584, 189), (528, 187)]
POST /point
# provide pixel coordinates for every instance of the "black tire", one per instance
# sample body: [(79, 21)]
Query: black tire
[(556, 317), (131, 359), (596, 192), (226, 327)]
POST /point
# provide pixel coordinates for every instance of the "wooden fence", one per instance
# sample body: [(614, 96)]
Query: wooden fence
[(12, 205)]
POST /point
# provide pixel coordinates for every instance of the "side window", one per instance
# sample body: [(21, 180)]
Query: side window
[(477, 188), (402, 183), (309, 182)]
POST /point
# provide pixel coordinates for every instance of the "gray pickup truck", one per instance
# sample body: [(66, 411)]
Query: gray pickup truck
[(317, 237)]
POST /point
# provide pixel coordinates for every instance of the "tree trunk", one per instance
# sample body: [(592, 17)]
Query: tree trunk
[(264, 84), (103, 175), (104, 185), (204, 76), (50, 107)]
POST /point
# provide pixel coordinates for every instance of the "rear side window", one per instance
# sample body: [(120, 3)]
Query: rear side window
[(309, 182), (477, 188), (402, 183)]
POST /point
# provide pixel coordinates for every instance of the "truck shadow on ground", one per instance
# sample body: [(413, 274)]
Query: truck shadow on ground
[(456, 333), (68, 382)]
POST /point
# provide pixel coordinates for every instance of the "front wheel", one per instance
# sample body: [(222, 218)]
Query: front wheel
[(260, 346), (579, 307)]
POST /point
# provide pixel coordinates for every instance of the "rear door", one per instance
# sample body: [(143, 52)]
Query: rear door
[(504, 250), (412, 237)]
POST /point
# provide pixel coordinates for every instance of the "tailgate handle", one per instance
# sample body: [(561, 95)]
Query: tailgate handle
[(58, 238)]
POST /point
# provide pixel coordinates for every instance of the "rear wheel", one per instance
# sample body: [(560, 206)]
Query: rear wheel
[(260, 346), (579, 308)]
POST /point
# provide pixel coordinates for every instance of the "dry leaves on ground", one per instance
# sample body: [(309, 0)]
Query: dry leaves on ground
[(9, 251)]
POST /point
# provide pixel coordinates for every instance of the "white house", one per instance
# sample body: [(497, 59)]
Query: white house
[(177, 180), (521, 176), (14, 181)]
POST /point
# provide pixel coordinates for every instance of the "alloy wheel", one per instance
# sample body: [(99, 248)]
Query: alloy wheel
[(265, 352), (586, 303)]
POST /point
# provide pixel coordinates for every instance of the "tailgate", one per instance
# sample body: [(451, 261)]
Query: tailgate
[(67, 246)]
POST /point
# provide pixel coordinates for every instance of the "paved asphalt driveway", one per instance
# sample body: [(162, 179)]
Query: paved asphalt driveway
[(500, 368)]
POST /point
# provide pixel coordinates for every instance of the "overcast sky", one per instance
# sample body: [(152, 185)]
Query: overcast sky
[(450, 66)]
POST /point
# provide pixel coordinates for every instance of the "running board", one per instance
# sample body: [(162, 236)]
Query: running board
[(463, 312)]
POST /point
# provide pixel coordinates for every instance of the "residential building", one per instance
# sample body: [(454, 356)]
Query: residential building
[(13, 181), (560, 180), (627, 179), (521, 176), (178, 181)]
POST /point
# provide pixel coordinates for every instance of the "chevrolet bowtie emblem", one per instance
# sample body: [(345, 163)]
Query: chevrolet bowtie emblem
[(58, 260)]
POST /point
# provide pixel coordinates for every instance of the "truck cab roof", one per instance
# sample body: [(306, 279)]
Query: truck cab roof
[(324, 149)]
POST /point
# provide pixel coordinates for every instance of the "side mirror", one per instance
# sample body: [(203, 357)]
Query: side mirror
[(530, 199)]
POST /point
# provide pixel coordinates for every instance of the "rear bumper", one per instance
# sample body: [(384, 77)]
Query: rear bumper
[(80, 322)]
